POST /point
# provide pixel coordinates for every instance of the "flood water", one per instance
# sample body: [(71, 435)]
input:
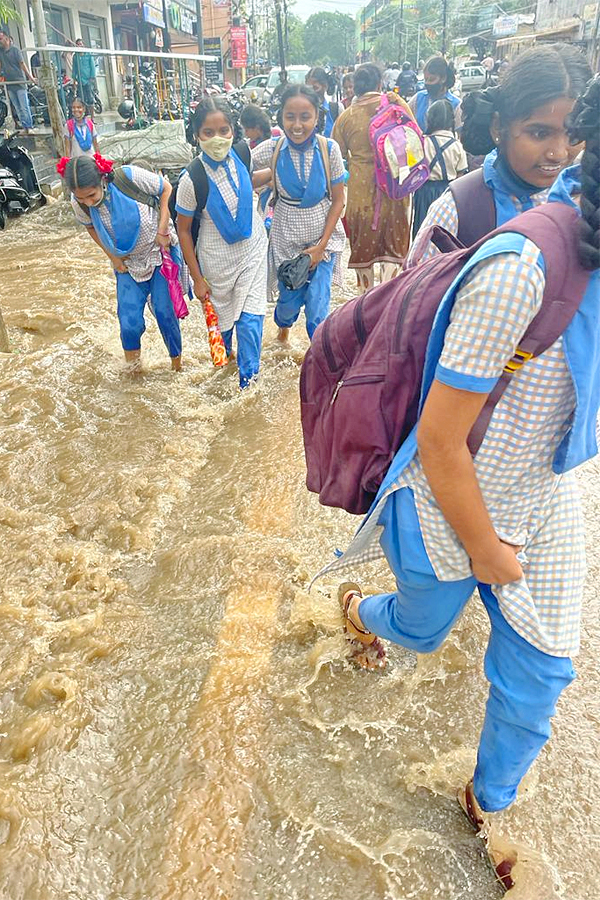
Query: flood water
[(177, 715)]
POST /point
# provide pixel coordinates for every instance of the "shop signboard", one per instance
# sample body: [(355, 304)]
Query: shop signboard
[(180, 18), (152, 12), (504, 26), (238, 47), (213, 70)]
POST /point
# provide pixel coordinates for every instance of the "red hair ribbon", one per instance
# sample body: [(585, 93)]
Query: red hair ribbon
[(105, 166), (61, 165)]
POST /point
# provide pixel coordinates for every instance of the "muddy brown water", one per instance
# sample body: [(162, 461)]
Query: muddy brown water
[(177, 716)]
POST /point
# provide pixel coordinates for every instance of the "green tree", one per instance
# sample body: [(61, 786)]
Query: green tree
[(9, 12), (295, 40), (329, 37)]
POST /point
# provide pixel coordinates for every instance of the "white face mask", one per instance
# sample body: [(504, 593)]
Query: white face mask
[(216, 147)]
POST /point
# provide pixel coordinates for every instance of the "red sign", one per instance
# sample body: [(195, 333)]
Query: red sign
[(238, 47)]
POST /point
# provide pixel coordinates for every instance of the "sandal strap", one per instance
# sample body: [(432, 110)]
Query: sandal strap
[(349, 598)]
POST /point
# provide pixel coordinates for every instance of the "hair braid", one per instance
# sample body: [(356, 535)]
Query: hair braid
[(585, 125)]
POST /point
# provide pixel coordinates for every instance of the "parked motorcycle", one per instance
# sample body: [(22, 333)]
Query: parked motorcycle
[(19, 187)]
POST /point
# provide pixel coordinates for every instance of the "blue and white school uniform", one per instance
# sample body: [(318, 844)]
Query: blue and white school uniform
[(421, 102), (512, 196), (329, 121), (82, 137), (128, 229), (298, 222), (542, 428), (232, 254)]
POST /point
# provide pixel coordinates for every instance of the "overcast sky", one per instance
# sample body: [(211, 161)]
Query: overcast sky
[(305, 8)]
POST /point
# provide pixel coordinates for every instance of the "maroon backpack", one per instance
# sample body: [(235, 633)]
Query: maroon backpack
[(360, 382)]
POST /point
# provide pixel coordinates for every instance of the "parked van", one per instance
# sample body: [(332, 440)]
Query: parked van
[(295, 75)]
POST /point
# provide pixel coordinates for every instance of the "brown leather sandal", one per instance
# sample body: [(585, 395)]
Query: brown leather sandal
[(367, 650), (502, 863)]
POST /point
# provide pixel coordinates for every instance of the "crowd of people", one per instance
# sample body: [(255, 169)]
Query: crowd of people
[(507, 522)]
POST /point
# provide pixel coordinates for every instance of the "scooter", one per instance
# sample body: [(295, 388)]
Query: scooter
[(19, 187)]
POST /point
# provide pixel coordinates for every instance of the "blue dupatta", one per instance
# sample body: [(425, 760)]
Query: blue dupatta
[(238, 229), (83, 134), (309, 191), (124, 221)]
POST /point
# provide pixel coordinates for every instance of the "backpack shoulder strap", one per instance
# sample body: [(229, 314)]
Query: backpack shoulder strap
[(128, 187), (197, 173), (475, 207), (243, 151), (274, 158), (325, 147), (438, 158), (553, 228)]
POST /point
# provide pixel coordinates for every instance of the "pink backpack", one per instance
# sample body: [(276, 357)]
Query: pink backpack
[(400, 164)]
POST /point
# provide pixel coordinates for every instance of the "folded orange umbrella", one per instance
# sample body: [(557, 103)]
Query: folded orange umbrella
[(218, 353)]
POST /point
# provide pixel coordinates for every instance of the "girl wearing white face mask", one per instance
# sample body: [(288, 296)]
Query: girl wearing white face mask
[(229, 259)]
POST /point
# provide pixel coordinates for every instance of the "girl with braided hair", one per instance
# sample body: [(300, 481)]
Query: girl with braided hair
[(128, 217), (506, 521), (521, 126)]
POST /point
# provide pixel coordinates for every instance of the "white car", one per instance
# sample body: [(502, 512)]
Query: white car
[(472, 78), (295, 75), (254, 88)]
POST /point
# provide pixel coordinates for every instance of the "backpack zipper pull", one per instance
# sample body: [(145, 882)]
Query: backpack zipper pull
[(336, 392)]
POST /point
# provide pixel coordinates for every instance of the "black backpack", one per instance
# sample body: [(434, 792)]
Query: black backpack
[(197, 173)]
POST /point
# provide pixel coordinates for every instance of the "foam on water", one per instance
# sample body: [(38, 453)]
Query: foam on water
[(178, 717)]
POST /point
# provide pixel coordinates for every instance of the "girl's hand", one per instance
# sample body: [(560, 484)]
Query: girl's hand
[(118, 264), (201, 288), (501, 568), (163, 239), (316, 254)]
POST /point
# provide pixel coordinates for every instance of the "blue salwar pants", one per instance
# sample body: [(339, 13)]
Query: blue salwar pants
[(131, 300), (524, 682), (314, 296), (249, 330)]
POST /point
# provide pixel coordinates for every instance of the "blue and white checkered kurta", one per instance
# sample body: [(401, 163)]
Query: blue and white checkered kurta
[(294, 229), (529, 504), (443, 212)]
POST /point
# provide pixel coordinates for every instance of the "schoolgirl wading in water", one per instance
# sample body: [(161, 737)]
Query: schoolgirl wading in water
[(521, 126), (229, 261), (306, 217), (131, 233), (508, 521)]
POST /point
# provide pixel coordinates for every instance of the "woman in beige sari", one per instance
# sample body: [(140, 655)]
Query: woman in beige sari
[(388, 244)]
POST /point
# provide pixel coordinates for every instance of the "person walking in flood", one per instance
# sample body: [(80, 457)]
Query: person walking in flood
[(81, 137), (439, 80), (309, 175), (445, 156), (388, 243), (229, 259), (521, 126), (317, 79), (508, 521), (130, 223)]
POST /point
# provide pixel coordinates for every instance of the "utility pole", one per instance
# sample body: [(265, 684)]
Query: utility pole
[(253, 14), (48, 78), (200, 39), (400, 39), (444, 26), (280, 35), (364, 37)]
